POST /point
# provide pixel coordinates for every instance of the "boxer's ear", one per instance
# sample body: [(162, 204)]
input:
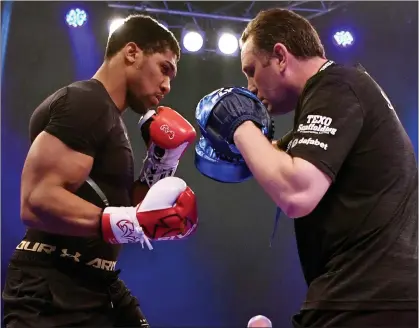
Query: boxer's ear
[(132, 53)]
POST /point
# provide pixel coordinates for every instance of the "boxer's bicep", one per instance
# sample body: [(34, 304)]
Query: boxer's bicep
[(58, 163), (52, 171), (51, 161), (50, 164)]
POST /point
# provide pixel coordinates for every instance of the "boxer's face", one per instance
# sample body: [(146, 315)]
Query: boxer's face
[(266, 76), (148, 77)]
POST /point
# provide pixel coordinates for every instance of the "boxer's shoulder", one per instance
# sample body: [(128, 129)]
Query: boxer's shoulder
[(78, 95), (89, 93)]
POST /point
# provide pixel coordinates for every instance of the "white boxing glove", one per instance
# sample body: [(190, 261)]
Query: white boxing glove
[(168, 212)]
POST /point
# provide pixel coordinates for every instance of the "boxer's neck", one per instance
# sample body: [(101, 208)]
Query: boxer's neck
[(112, 76)]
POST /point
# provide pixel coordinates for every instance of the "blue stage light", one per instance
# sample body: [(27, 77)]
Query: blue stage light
[(76, 17), (343, 38)]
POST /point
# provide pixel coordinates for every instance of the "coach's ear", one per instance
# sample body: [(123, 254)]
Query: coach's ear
[(280, 52)]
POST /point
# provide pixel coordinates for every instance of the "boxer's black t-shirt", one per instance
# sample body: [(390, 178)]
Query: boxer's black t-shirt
[(84, 117), (358, 248)]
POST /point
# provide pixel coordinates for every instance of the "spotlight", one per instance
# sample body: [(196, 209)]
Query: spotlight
[(228, 43), (343, 38), (76, 17), (192, 40), (115, 24)]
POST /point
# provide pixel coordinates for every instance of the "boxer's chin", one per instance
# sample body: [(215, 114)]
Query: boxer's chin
[(139, 107)]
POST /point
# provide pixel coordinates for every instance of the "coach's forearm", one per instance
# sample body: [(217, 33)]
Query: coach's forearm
[(275, 144), (274, 170), (55, 210)]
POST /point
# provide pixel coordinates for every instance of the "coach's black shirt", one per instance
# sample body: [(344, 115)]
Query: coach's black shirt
[(358, 248), (84, 117)]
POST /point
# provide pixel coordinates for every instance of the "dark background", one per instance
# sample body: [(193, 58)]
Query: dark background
[(226, 273)]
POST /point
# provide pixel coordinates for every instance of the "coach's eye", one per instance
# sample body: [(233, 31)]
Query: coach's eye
[(250, 72), (165, 69)]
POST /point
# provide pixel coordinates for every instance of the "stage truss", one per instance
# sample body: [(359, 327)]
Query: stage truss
[(217, 15)]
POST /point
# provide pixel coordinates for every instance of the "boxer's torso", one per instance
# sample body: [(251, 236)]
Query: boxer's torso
[(358, 248), (112, 171)]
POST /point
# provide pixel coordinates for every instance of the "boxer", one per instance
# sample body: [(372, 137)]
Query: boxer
[(348, 177), (79, 200)]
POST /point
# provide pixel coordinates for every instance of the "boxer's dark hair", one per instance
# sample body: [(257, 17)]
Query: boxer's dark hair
[(146, 32), (283, 26)]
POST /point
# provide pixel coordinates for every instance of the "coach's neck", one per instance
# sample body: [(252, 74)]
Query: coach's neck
[(305, 69)]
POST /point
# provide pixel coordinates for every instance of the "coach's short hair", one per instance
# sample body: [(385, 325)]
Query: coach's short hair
[(283, 26), (146, 32)]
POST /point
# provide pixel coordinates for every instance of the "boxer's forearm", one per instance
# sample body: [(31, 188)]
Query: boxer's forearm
[(55, 210), (139, 190), (275, 171)]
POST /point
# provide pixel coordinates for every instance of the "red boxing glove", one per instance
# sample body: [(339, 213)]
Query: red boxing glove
[(167, 135), (168, 212)]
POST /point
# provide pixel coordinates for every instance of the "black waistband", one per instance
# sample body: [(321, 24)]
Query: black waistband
[(26, 260), (47, 256)]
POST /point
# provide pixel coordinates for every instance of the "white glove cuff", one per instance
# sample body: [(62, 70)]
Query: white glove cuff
[(120, 226), (145, 117)]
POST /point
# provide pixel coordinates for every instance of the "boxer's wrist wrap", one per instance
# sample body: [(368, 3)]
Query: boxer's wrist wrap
[(154, 170)]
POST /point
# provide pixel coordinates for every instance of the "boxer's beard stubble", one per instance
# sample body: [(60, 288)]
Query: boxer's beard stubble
[(136, 105)]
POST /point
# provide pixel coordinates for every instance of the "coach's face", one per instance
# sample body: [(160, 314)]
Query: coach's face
[(266, 76), (148, 77)]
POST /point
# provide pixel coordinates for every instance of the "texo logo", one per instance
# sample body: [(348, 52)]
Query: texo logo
[(319, 119)]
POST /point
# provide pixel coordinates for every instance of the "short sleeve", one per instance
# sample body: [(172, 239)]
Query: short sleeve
[(80, 120), (327, 125)]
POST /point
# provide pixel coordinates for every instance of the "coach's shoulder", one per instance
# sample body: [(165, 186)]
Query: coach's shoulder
[(329, 82), (349, 75)]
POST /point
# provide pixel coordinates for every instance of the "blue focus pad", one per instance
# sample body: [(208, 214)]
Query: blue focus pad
[(215, 166), (221, 112), (218, 115)]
